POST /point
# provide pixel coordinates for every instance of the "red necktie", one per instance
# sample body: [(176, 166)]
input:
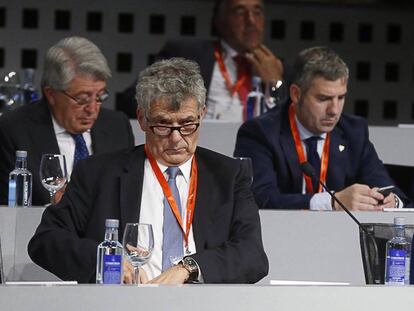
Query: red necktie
[(243, 70)]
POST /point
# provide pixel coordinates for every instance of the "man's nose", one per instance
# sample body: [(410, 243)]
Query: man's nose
[(334, 106)]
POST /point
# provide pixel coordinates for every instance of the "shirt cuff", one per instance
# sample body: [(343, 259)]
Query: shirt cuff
[(320, 202)]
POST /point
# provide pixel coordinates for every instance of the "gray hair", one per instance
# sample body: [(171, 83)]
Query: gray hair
[(174, 80), (72, 56), (317, 62)]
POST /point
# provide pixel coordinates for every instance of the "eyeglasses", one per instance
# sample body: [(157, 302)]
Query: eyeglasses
[(165, 131), (84, 100)]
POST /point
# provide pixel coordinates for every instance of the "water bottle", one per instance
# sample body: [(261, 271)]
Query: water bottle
[(254, 101), (109, 256), (20, 182), (398, 251), (28, 87)]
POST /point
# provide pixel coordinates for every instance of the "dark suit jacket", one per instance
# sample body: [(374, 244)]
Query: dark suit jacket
[(30, 128), (277, 182), (226, 223)]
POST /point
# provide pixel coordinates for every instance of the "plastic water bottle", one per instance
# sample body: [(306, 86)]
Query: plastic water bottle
[(109, 256), (398, 252), (20, 182), (254, 99)]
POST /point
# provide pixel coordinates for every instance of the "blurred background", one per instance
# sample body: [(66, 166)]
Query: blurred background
[(375, 38)]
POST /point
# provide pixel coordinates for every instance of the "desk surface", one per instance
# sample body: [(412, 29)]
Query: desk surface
[(205, 297)]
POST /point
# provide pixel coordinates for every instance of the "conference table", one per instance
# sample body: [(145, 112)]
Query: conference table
[(301, 246)]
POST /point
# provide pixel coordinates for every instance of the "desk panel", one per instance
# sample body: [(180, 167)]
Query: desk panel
[(205, 297), (300, 245)]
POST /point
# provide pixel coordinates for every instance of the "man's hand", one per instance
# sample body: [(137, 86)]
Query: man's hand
[(58, 195), (129, 274), (362, 198), (265, 64), (174, 275)]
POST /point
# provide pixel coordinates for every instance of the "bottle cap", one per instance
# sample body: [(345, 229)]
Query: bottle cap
[(112, 223), (21, 154), (399, 221)]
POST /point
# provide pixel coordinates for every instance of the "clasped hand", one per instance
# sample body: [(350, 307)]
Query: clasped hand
[(360, 197)]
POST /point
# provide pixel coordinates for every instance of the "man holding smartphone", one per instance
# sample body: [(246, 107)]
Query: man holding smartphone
[(312, 128)]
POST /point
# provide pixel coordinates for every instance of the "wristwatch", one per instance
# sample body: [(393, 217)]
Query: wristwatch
[(191, 266)]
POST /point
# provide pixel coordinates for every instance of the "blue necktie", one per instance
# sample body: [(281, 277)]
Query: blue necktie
[(172, 242), (81, 151), (313, 158)]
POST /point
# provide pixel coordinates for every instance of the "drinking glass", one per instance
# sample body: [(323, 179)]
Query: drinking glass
[(53, 173), (138, 242), (247, 164)]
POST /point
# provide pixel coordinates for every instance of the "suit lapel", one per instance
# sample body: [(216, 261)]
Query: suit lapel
[(288, 145), (203, 207), (338, 154), (43, 138), (131, 181), (99, 134)]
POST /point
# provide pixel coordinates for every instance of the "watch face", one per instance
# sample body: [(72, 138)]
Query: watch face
[(191, 264)]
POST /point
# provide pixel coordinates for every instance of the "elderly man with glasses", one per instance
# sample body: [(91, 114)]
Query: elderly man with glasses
[(205, 220), (68, 120)]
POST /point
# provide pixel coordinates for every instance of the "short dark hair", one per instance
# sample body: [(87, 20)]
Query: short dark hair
[(319, 61)]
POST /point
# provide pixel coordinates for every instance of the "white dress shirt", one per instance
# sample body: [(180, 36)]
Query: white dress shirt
[(152, 211), (321, 200), (67, 144), (221, 105)]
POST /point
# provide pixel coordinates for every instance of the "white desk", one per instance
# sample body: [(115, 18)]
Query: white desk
[(394, 145), (300, 245)]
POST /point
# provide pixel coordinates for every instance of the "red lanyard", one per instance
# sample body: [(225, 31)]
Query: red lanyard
[(170, 197), (301, 153), (232, 88)]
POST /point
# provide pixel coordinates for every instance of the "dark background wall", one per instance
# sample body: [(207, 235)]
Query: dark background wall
[(375, 39)]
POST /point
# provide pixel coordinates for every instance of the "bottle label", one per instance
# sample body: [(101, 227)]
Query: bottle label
[(112, 269), (396, 261), (12, 193), (26, 193)]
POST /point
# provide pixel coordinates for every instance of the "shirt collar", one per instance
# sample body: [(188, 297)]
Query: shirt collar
[(304, 133), (228, 51), (185, 168)]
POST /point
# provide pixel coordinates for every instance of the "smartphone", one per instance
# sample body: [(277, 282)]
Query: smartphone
[(385, 191)]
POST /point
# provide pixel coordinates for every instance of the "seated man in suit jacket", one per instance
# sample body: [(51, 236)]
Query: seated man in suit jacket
[(226, 63), (67, 119), (218, 229), (313, 128)]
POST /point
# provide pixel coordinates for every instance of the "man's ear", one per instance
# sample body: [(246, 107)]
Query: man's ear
[(141, 119), (203, 112), (295, 93), (48, 92)]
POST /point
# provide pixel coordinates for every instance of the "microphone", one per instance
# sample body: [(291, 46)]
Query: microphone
[(309, 171)]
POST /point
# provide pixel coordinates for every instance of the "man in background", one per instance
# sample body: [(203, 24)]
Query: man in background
[(312, 128), (229, 63), (68, 120), (205, 220)]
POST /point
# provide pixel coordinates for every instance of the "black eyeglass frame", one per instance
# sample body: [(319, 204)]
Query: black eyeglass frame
[(99, 99), (173, 128)]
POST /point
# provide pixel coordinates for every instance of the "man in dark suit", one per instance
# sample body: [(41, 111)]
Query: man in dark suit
[(312, 128), (74, 86), (209, 212), (228, 64)]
